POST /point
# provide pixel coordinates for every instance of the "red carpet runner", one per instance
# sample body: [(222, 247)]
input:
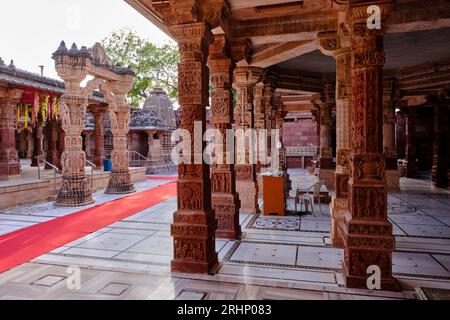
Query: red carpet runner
[(26, 244)]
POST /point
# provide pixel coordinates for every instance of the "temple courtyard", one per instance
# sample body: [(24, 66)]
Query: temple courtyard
[(288, 257)]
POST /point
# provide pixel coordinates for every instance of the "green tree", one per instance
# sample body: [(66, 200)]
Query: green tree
[(154, 65)]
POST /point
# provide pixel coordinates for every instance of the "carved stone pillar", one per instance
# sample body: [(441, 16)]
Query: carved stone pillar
[(326, 172), (88, 144), (53, 156), (269, 92), (339, 204), (225, 200), (75, 190), (9, 158), (38, 136), (194, 223), (29, 143), (368, 238), (390, 152), (411, 152), (246, 182), (120, 179), (441, 148), (279, 122), (99, 135)]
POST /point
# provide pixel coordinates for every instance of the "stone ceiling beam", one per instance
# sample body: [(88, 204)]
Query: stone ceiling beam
[(278, 53)]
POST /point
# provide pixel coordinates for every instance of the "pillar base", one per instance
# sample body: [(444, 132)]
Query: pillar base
[(9, 169), (360, 282), (194, 242), (248, 196), (194, 267), (327, 175), (393, 180), (226, 207), (120, 183), (74, 192)]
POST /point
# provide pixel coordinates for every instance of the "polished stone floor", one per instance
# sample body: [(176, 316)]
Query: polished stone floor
[(277, 257)]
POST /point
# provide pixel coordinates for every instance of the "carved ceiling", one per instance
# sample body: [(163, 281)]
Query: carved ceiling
[(283, 33)]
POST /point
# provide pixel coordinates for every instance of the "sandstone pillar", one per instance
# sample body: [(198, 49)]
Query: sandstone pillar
[(38, 136), (390, 151), (9, 158), (246, 181), (75, 189), (29, 143), (368, 238), (441, 148), (225, 200), (120, 118), (326, 172), (99, 135), (411, 152), (52, 132), (339, 204), (194, 223)]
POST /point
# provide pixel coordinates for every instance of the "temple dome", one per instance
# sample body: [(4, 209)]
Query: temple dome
[(157, 112)]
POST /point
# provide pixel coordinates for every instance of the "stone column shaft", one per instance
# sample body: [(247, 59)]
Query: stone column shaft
[(411, 152), (53, 156), (99, 135), (326, 172), (225, 200), (246, 180), (339, 204), (9, 158), (38, 136), (441, 159), (194, 223), (389, 147), (368, 238)]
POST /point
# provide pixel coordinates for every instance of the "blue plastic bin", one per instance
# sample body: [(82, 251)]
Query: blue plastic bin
[(107, 165)]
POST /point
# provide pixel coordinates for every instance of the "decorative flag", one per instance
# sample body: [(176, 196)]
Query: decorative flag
[(35, 107), (26, 117), (56, 106)]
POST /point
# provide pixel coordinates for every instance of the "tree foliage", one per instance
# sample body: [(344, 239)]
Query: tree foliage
[(154, 65)]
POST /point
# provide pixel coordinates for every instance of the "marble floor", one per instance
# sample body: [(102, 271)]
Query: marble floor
[(277, 258)]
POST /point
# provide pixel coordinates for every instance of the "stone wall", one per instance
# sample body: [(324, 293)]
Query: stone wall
[(302, 132)]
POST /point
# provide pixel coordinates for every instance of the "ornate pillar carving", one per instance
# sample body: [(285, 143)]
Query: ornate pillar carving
[(269, 92), (88, 144), (38, 136), (99, 135), (52, 132), (120, 118), (338, 45), (245, 79), (75, 189), (194, 224), (368, 239), (9, 158), (29, 143), (326, 172), (390, 152), (225, 200), (441, 159), (410, 113)]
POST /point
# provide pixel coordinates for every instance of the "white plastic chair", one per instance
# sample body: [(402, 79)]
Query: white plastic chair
[(311, 193)]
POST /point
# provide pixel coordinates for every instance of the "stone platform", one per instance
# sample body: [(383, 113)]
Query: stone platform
[(27, 188)]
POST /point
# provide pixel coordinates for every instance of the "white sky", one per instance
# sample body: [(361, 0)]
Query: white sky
[(31, 30)]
